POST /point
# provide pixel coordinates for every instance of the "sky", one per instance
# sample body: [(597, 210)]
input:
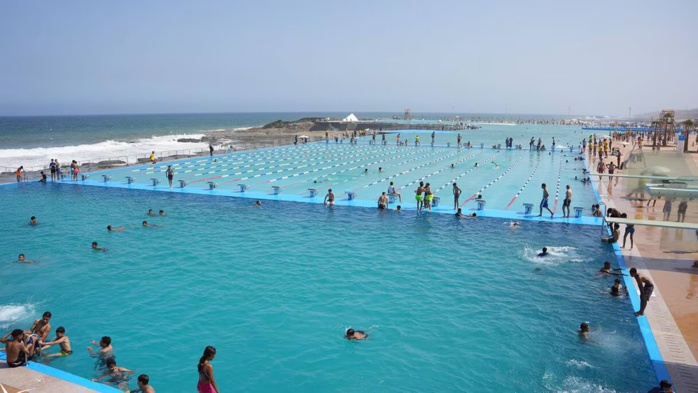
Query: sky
[(537, 57)]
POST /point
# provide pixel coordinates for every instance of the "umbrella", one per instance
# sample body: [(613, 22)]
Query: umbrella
[(303, 137), (655, 171), (605, 137)]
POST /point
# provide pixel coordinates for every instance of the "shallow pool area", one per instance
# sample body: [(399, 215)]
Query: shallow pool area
[(448, 304), (503, 179)]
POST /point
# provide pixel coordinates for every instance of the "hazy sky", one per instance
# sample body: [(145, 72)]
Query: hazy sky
[(597, 57)]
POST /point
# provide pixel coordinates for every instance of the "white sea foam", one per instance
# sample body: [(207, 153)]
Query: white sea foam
[(556, 255), (39, 157), (579, 363), (12, 313)]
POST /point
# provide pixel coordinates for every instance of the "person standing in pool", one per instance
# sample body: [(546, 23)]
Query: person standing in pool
[(210, 148), (383, 201), (41, 327), (62, 340), (418, 195), (329, 198), (143, 385), (456, 194), (432, 137), (544, 201), (646, 288), (119, 375), (567, 202), (169, 173), (207, 383)]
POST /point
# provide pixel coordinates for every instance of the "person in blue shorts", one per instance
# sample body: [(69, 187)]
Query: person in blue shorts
[(544, 201)]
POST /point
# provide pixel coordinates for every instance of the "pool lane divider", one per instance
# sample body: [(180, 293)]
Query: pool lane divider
[(655, 355), (493, 181), (386, 153), (359, 166), (557, 189), (448, 183), (415, 168), (525, 184), (424, 177)]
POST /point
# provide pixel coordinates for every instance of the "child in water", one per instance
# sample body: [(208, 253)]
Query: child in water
[(352, 334)]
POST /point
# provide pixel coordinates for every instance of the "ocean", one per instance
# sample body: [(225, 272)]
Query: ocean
[(32, 141)]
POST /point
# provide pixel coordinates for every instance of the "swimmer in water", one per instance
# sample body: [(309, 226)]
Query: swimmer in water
[(515, 224), (97, 247), (543, 253), (112, 229), (495, 164), (143, 385), (616, 288), (22, 259), (119, 375), (146, 225), (258, 203), (584, 331), (398, 208), (32, 221), (151, 212), (162, 212), (352, 334), (606, 269), (476, 165)]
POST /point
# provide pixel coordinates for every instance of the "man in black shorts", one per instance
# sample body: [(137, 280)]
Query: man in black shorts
[(646, 288), (567, 202)]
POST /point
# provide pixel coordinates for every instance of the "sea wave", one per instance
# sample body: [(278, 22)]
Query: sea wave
[(13, 313), (36, 158)]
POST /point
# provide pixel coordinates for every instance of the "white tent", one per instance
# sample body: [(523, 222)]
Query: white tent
[(352, 118)]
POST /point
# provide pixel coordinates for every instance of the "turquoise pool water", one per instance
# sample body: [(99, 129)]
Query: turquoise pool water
[(506, 179), (450, 305)]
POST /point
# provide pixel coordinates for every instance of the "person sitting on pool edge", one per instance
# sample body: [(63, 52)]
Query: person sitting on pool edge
[(112, 229), (615, 236), (352, 334), (543, 253), (16, 351)]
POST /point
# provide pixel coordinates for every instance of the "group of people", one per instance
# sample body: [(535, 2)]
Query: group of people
[(21, 346)]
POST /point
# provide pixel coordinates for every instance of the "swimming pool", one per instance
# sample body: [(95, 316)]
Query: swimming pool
[(506, 179), (449, 304)]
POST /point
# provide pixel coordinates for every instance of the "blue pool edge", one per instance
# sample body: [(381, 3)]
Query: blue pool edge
[(656, 358), (66, 376)]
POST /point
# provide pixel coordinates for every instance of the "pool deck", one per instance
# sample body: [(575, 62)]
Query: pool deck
[(38, 378), (671, 317)]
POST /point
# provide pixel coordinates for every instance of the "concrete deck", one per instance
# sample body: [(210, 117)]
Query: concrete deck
[(672, 313), (39, 378)]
